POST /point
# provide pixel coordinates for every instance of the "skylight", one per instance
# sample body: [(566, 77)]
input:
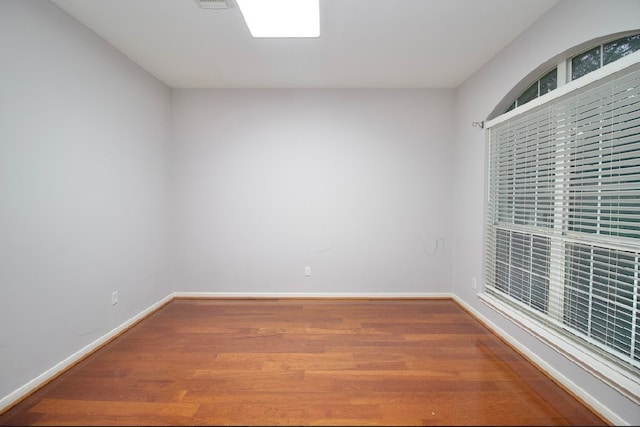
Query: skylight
[(281, 18)]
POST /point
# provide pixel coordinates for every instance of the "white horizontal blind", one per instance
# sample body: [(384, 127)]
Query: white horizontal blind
[(563, 215)]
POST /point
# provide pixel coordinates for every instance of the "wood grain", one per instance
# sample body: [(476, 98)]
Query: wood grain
[(304, 362)]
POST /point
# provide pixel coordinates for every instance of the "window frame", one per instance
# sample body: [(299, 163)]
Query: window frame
[(564, 68), (591, 361)]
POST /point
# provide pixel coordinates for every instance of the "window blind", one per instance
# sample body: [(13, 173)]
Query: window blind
[(563, 216)]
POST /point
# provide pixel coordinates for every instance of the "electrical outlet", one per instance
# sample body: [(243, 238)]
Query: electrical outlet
[(307, 271), (474, 283), (114, 298)]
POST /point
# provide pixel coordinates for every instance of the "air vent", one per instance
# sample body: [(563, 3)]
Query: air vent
[(213, 4)]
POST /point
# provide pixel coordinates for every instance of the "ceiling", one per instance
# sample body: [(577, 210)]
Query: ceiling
[(362, 43)]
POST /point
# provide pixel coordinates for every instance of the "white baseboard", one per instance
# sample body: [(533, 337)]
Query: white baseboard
[(363, 295), (60, 367), (610, 416)]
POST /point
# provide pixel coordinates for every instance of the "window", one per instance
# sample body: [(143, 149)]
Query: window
[(602, 55), (563, 213), (586, 62), (545, 84), (580, 65)]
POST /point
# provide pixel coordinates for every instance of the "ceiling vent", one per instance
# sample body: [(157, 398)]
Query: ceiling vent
[(213, 4)]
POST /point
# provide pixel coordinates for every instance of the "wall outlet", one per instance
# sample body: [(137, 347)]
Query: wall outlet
[(307, 271), (114, 298), (474, 283)]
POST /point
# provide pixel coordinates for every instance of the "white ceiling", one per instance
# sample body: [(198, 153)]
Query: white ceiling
[(362, 43)]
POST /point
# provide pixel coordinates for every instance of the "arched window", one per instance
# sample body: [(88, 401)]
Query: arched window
[(576, 66), (603, 54), (543, 85), (563, 209)]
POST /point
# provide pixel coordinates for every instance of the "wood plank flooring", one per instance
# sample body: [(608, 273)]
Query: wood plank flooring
[(304, 362)]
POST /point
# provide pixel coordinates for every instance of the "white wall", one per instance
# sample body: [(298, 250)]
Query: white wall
[(354, 183), (83, 201), (570, 23)]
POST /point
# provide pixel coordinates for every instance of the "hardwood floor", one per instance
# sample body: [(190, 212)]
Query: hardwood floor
[(304, 362)]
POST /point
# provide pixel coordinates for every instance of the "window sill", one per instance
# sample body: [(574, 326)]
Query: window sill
[(586, 359)]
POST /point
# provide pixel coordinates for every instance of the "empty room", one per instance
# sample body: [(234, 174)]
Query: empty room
[(366, 212)]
